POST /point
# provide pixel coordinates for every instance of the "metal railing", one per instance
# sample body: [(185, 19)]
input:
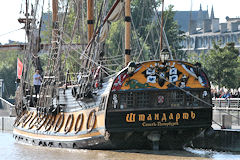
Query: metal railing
[(9, 107), (226, 107), (226, 103)]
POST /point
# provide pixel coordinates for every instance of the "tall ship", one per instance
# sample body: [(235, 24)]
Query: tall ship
[(161, 103)]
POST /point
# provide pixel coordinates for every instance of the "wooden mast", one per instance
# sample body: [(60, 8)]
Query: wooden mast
[(127, 31), (26, 24), (161, 35), (55, 23), (90, 18)]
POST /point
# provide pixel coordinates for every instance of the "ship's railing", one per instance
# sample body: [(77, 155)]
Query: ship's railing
[(7, 106), (226, 112), (73, 78)]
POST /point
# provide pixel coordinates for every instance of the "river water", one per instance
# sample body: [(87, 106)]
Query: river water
[(10, 150)]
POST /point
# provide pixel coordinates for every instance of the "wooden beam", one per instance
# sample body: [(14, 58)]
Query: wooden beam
[(44, 47), (127, 32), (90, 19)]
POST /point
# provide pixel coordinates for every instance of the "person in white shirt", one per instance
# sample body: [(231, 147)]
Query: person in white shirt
[(37, 80)]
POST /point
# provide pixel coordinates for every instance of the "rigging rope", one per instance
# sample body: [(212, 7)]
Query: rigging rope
[(217, 123), (230, 114), (189, 93), (137, 39), (87, 57), (141, 51), (164, 34), (11, 31)]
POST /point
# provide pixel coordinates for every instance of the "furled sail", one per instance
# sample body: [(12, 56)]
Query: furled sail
[(115, 16)]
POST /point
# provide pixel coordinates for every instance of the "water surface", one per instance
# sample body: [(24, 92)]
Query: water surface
[(10, 150)]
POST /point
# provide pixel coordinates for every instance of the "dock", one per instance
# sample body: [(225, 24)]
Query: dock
[(7, 115), (225, 132)]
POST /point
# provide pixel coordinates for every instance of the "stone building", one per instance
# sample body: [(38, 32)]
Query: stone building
[(203, 29), (183, 18)]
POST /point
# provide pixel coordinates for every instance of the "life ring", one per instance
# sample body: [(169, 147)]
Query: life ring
[(16, 123), (33, 121), (91, 121), (38, 120), (41, 122), (23, 119), (27, 120), (58, 125), (67, 129), (78, 124), (49, 123)]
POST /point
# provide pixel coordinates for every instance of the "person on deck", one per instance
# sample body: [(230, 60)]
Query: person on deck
[(37, 79)]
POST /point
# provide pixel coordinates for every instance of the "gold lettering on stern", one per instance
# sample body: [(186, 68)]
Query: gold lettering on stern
[(168, 124), (193, 115), (156, 116), (164, 118), (141, 117), (177, 117), (185, 115), (149, 118), (130, 117), (171, 116)]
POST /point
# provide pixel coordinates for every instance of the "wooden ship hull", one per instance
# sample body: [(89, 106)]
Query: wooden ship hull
[(161, 104), (69, 133)]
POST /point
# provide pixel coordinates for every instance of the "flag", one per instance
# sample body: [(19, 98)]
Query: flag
[(19, 68)]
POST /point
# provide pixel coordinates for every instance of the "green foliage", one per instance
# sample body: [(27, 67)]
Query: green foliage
[(194, 57), (237, 71), (147, 29), (222, 65), (8, 71), (72, 65), (114, 42), (173, 33), (145, 34)]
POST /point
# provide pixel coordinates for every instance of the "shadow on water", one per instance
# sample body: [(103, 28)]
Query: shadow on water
[(10, 150), (188, 153), (180, 153)]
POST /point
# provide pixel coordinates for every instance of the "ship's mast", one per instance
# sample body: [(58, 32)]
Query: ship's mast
[(161, 35), (127, 31), (55, 23), (90, 19), (27, 25), (90, 23)]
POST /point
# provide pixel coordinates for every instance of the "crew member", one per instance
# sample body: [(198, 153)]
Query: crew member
[(37, 79)]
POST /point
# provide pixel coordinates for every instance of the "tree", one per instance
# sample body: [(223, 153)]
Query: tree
[(174, 34), (145, 31), (222, 65), (8, 71)]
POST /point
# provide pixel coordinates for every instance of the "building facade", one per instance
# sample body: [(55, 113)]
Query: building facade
[(203, 30)]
